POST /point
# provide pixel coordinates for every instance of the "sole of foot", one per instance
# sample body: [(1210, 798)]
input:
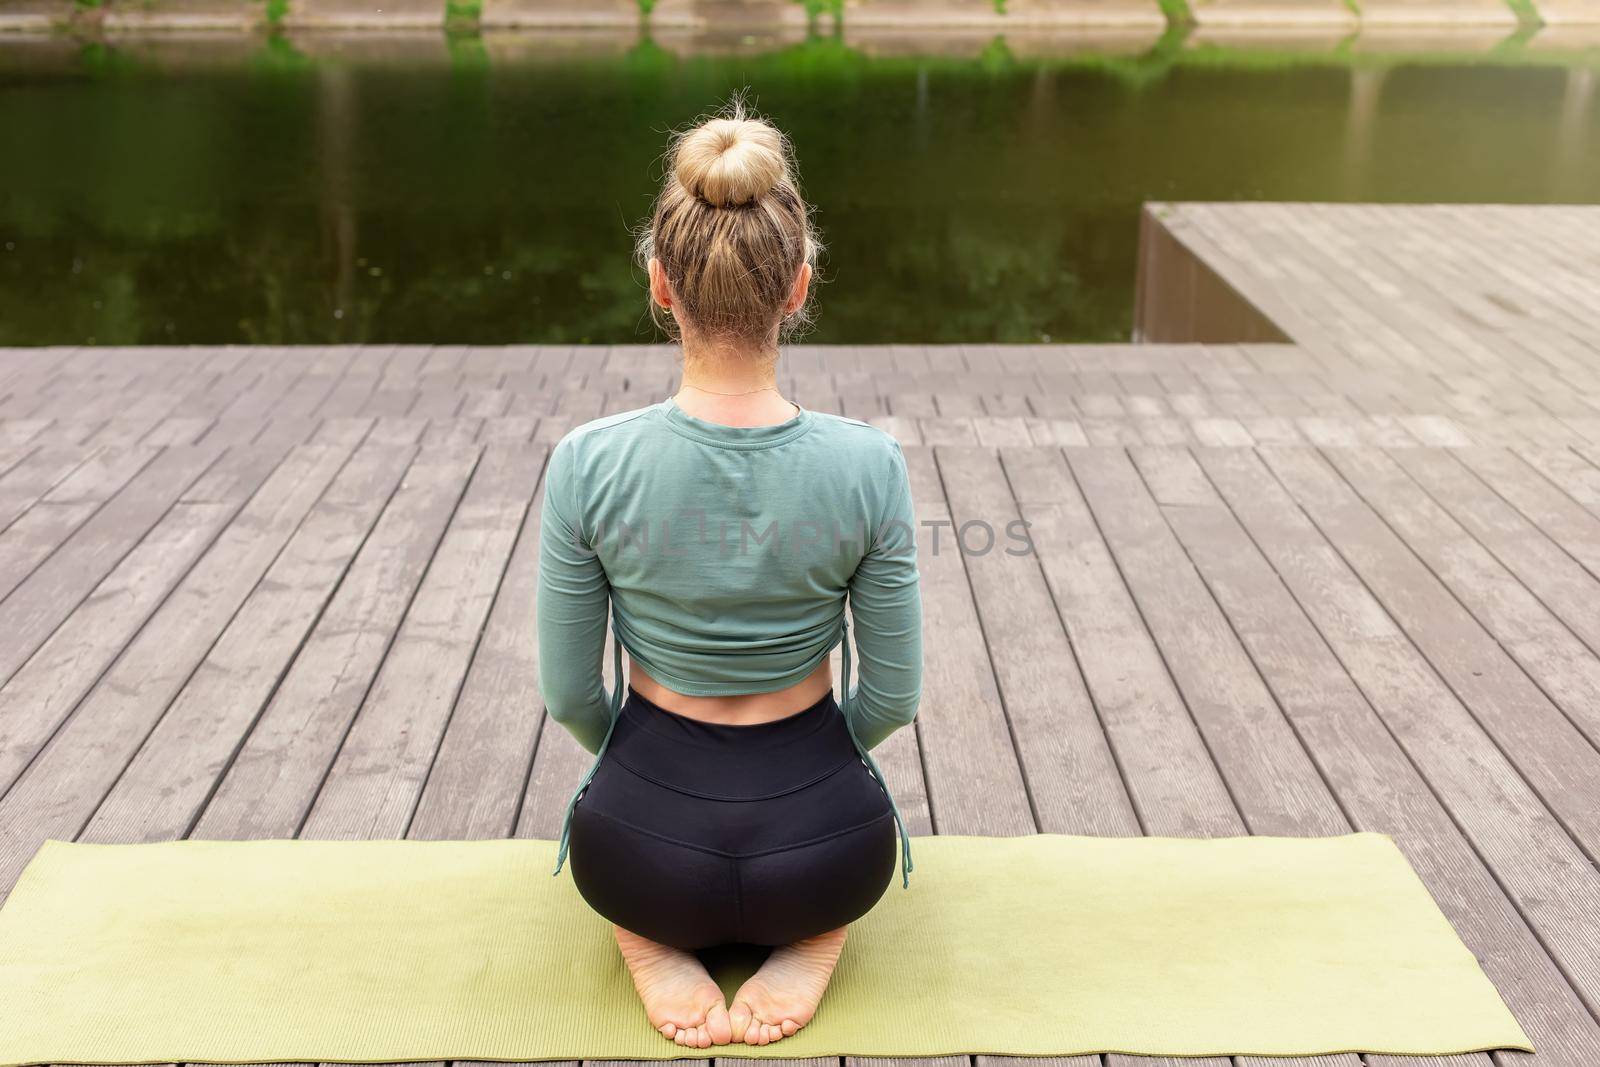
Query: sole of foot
[(680, 998), (783, 995)]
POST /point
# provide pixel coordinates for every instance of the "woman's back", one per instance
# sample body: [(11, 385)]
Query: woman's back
[(727, 554)]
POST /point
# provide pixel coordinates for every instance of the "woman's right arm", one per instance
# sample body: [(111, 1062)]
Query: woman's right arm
[(886, 604), (573, 596)]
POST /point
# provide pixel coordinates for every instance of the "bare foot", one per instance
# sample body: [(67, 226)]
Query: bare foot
[(783, 995), (680, 999)]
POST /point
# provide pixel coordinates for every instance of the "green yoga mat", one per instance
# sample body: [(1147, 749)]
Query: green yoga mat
[(395, 950)]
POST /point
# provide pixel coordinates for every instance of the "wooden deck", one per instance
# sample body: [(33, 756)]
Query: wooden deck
[(1351, 581)]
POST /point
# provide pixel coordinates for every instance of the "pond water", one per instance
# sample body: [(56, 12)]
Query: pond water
[(271, 191)]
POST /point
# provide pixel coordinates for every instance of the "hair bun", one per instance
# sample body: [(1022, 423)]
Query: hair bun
[(728, 162)]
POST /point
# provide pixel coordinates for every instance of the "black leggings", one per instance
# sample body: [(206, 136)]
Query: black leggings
[(694, 834)]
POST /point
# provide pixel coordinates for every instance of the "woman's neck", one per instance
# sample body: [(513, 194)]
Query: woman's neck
[(733, 387)]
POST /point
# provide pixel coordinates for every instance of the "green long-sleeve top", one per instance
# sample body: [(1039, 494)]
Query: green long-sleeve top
[(726, 556)]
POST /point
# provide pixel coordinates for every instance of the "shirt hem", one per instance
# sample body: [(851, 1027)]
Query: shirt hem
[(685, 687)]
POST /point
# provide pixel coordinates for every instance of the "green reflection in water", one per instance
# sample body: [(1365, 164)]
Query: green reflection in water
[(481, 194)]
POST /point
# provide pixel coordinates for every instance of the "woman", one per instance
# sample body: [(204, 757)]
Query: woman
[(731, 799)]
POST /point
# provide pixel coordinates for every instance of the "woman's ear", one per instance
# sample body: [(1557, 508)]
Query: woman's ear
[(797, 295), (660, 291)]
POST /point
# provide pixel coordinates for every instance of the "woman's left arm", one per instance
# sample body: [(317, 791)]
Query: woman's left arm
[(573, 596), (886, 604)]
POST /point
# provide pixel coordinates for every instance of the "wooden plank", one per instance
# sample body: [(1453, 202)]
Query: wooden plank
[(133, 424), (1477, 278), (1005, 430), (452, 431), (349, 430), (1557, 490), (28, 481), (31, 539), (347, 397), (518, 428), (12, 455), (63, 785), (388, 401), (60, 512), (436, 402), (255, 404), (373, 786), (100, 476), (1072, 776), (272, 782), (305, 388), (46, 689), (174, 771), (397, 430), (478, 778), (1175, 787), (1395, 249), (56, 587), (1359, 248), (1435, 430), (973, 771), (14, 432), (484, 403), (1220, 431), (177, 430), (1535, 600), (1272, 781), (1552, 881), (1541, 742)]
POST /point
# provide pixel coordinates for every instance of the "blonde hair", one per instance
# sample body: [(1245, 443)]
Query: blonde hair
[(730, 229)]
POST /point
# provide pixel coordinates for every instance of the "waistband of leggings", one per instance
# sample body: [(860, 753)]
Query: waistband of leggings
[(682, 729)]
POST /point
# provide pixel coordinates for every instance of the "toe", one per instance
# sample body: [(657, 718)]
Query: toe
[(668, 1029), (739, 1020), (790, 1027), (718, 1025)]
